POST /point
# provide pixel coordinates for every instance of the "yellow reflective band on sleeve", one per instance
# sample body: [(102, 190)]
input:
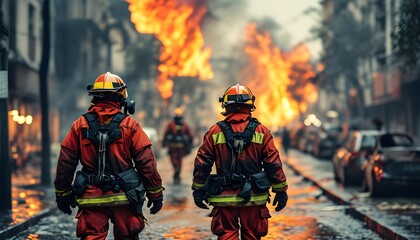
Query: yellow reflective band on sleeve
[(62, 193), (103, 201), (198, 185), (258, 138), (218, 138), (279, 185), (233, 200), (154, 191)]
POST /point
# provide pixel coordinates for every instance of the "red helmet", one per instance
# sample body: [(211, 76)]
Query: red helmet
[(238, 94), (108, 83)]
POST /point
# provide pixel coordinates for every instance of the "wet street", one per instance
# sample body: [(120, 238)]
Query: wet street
[(308, 215), (400, 213)]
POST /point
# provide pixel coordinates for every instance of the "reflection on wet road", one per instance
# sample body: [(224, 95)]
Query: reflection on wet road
[(308, 215)]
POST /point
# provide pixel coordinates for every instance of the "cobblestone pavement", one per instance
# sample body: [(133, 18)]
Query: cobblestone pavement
[(309, 215), (400, 214)]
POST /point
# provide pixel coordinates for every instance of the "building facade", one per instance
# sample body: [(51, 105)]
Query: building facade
[(379, 87), (24, 21)]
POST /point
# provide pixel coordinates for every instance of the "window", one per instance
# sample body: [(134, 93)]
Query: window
[(395, 140), (368, 142), (31, 32)]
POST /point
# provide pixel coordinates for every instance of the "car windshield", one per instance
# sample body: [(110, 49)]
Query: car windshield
[(395, 140), (368, 141)]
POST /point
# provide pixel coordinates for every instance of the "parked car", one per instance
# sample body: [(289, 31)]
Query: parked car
[(326, 142), (393, 166), (307, 140), (349, 159)]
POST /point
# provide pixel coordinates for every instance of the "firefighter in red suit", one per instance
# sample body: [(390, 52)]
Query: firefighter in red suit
[(247, 166), (118, 166), (178, 138)]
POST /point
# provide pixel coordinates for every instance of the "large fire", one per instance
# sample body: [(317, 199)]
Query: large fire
[(279, 80), (176, 23)]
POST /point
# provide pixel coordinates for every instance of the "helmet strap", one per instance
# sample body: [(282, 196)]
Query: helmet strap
[(108, 97), (235, 108)]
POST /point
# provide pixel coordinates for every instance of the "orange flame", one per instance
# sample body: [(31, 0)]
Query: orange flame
[(176, 23), (279, 80)]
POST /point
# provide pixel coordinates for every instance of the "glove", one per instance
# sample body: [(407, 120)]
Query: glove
[(200, 195), (157, 204), (280, 200), (64, 203)]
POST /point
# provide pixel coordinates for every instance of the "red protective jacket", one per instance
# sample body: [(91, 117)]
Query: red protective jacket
[(174, 146), (260, 154), (133, 147)]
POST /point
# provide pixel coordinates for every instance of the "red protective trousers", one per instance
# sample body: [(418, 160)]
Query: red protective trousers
[(93, 223), (176, 155), (251, 220)]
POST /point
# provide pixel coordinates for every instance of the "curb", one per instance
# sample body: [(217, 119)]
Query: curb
[(16, 229), (372, 224)]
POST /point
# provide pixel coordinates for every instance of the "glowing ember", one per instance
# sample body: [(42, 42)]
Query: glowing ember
[(279, 80), (176, 23)]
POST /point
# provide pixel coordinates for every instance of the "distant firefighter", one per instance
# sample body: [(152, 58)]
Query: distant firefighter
[(118, 166), (179, 140), (247, 166)]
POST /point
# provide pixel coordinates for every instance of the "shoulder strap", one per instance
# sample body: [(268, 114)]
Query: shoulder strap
[(228, 132), (114, 131), (238, 141), (250, 130), (94, 126), (116, 120), (246, 135), (112, 128)]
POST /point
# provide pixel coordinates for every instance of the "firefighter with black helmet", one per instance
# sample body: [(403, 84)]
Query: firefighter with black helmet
[(118, 166), (247, 166)]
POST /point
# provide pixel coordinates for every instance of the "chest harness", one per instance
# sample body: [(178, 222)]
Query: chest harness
[(176, 135), (237, 142), (106, 177), (102, 136)]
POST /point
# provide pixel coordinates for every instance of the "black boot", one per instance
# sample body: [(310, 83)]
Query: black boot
[(177, 179)]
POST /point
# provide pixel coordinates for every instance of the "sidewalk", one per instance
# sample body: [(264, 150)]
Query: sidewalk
[(30, 203), (397, 222)]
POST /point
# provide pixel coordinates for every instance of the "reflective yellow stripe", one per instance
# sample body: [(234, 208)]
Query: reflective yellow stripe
[(106, 200), (197, 185), (233, 200), (103, 85), (219, 138), (258, 138), (60, 191), (63, 193), (279, 185), (155, 191)]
